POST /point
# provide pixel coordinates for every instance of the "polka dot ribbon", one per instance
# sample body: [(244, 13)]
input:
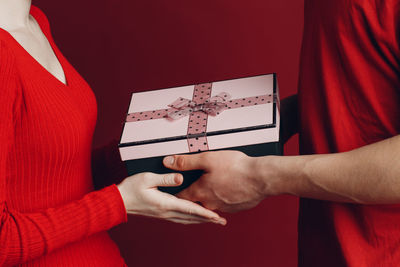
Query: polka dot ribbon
[(198, 109)]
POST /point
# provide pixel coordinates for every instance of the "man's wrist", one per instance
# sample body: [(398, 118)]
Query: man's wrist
[(279, 175), (264, 171)]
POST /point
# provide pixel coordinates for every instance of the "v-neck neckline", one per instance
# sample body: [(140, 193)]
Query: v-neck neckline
[(35, 61)]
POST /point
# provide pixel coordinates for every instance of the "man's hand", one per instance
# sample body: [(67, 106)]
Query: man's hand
[(233, 181), (228, 183)]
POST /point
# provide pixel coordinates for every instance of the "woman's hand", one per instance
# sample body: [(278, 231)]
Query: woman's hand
[(141, 197)]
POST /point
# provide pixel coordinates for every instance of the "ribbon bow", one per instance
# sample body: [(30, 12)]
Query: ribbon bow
[(184, 107)]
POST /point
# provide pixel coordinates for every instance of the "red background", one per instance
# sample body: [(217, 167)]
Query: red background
[(121, 47)]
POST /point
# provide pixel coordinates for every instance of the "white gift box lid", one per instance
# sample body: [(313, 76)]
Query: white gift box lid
[(233, 127)]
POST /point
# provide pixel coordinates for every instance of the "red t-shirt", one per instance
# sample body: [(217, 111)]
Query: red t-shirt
[(49, 213), (349, 96)]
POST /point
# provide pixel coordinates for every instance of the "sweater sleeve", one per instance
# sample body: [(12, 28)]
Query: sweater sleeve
[(25, 236)]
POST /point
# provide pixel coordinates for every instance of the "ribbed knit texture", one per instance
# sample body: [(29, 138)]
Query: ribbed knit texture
[(49, 213)]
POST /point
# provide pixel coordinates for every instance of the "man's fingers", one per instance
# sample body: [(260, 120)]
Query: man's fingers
[(194, 192), (170, 179), (185, 162), (188, 194)]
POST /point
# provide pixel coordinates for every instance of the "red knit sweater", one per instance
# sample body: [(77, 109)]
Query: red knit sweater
[(49, 214)]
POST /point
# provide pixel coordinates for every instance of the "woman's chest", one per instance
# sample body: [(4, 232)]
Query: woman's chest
[(52, 116), (36, 44)]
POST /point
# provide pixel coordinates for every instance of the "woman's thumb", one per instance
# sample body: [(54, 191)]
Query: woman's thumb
[(170, 179)]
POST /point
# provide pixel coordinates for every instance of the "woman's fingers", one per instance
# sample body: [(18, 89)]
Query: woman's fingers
[(194, 210), (186, 221), (169, 179), (194, 218), (181, 205), (143, 198)]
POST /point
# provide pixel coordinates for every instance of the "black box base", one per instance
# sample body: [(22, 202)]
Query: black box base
[(155, 164)]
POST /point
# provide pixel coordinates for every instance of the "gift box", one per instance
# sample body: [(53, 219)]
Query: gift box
[(238, 114)]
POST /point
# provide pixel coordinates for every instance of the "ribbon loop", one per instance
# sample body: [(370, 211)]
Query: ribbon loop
[(184, 107)]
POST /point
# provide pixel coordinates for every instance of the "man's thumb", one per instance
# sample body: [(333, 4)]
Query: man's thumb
[(184, 162)]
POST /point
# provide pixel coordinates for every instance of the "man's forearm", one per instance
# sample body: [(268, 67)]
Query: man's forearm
[(368, 175)]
